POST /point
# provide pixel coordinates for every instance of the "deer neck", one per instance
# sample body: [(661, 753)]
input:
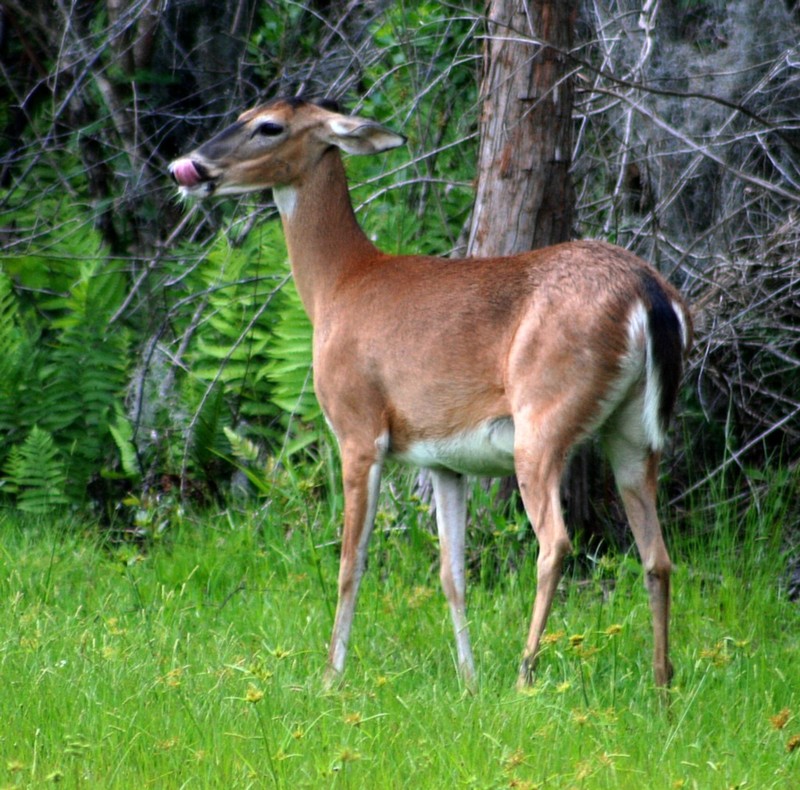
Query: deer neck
[(324, 240)]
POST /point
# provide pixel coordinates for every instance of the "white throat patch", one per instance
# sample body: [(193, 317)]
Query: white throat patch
[(285, 199)]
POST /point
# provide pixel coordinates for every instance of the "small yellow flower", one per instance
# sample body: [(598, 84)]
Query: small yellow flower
[(353, 719), (381, 680), (253, 694), (281, 653), (580, 717), (349, 756), (113, 627), (614, 629), (793, 743), (173, 677), (562, 687), (551, 639), (515, 759), (717, 655), (260, 671), (780, 720), (575, 640)]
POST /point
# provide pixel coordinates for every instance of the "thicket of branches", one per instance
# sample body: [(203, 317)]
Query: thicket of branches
[(153, 344), (699, 143)]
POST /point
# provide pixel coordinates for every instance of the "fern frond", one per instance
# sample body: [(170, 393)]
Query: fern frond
[(208, 441), (122, 433), (243, 448), (289, 368), (35, 474)]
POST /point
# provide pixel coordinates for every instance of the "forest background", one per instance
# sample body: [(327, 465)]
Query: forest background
[(156, 352)]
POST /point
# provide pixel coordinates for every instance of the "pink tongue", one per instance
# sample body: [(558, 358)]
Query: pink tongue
[(185, 173)]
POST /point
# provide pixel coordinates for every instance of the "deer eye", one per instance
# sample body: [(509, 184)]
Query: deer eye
[(268, 129)]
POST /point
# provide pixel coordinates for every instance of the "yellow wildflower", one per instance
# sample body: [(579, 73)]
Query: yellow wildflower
[(779, 720)]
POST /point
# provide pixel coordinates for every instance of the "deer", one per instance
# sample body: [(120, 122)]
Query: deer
[(464, 367)]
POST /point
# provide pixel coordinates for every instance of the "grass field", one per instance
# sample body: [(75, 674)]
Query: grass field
[(196, 661)]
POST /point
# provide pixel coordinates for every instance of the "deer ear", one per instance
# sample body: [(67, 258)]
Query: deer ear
[(359, 136)]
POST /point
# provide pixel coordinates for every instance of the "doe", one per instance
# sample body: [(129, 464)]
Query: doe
[(481, 366)]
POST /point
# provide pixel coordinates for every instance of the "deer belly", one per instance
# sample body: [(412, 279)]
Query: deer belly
[(485, 451)]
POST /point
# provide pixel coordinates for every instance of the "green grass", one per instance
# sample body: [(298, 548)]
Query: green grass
[(196, 661)]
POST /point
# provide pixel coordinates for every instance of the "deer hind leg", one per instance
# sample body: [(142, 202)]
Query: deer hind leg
[(539, 471), (361, 473), (450, 494), (636, 472)]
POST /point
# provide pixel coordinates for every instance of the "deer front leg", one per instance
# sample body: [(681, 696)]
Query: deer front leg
[(361, 473), (450, 495)]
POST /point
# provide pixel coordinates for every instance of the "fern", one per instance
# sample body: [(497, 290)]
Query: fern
[(212, 421), (17, 363), (230, 345), (83, 376), (63, 370), (122, 433), (35, 474), (290, 372), (246, 455), (243, 448)]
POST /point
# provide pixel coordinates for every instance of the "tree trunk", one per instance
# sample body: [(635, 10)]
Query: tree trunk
[(524, 194)]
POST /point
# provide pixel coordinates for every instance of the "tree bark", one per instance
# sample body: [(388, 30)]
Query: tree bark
[(524, 194)]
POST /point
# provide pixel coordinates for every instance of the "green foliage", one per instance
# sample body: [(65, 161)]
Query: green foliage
[(229, 346), (207, 336), (426, 52), (84, 378), (236, 347), (212, 418), (64, 371), (17, 364), (35, 474), (290, 365), (122, 432)]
